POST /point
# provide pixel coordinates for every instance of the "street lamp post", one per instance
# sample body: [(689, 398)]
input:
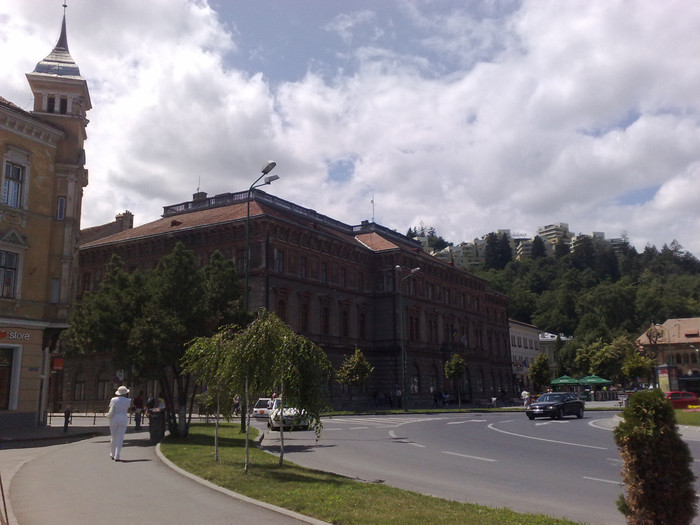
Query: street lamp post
[(404, 394), (268, 180)]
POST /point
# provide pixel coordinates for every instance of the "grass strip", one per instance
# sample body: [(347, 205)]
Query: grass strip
[(328, 497)]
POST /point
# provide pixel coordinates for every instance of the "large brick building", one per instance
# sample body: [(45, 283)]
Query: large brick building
[(43, 175), (340, 285)]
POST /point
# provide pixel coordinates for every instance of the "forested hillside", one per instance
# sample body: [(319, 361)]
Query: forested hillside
[(601, 298), (594, 295)]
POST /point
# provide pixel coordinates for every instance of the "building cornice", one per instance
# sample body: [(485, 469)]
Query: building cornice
[(21, 123)]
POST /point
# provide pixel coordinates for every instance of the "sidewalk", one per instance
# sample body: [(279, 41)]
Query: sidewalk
[(30, 457)]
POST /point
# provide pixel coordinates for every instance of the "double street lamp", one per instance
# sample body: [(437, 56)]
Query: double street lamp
[(268, 180), (411, 273)]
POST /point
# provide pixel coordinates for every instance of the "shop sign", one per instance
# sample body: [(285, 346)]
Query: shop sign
[(14, 335)]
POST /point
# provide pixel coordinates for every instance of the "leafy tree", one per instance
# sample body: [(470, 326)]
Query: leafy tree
[(636, 365), (656, 464), (206, 359), (268, 354), (146, 319), (454, 369), (354, 370), (539, 371), (538, 248)]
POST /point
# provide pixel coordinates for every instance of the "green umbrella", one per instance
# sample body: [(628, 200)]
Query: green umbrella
[(595, 380), (565, 380)]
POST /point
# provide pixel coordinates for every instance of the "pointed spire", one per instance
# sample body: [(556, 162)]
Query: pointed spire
[(59, 62), (63, 39)]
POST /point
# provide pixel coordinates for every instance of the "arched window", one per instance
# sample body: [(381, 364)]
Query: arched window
[(344, 323), (414, 381), (325, 321), (79, 387), (304, 321), (104, 386), (282, 310)]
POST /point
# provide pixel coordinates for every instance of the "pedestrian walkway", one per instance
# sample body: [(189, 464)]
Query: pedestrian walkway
[(79, 484)]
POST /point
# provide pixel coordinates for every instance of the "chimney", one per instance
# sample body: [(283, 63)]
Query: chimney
[(126, 220), (199, 196)]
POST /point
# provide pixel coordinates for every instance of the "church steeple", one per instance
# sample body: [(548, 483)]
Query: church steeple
[(56, 82), (62, 98)]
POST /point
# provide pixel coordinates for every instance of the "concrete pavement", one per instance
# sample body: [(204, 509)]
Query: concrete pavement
[(62, 479)]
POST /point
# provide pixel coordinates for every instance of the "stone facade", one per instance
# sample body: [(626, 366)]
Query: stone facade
[(341, 286), (43, 176)]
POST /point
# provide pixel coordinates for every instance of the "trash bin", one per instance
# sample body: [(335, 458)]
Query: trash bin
[(156, 424)]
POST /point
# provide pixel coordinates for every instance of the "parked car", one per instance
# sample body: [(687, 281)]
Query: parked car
[(682, 399), (556, 405), (261, 407), (288, 417)]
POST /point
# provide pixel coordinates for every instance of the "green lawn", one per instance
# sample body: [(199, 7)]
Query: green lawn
[(328, 497), (684, 417)]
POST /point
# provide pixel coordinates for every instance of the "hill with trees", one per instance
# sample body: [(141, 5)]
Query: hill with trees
[(603, 298)]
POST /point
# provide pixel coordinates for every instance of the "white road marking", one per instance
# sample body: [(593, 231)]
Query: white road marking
[(468, 457), (605, 480), (596, 424), (392, 434), (492, 427), (417, 445), (466, 421), (550, 422), (358, 428)]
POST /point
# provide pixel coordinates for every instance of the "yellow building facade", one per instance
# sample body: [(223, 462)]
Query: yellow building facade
[(43, 176)]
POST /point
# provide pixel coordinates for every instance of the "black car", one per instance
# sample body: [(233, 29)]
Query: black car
[(556, 405)]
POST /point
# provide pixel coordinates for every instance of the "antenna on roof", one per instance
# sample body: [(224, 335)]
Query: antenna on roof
[(372, 208), (199, 182)]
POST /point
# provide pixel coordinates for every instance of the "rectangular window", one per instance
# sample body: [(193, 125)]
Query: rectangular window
[(343, 277), (63, 106), (12, 185), (324, 273), (8, 273), (51, 104), (302, 267), (279, 261), (55, 291), (61, 209)]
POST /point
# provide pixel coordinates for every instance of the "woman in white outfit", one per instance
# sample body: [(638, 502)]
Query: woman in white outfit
[(118, 419)]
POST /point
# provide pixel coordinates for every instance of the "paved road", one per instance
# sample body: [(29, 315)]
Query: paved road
[(568, 468), (77, 483)]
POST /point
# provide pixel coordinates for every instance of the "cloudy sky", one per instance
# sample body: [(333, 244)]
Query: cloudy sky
[(466, 116)]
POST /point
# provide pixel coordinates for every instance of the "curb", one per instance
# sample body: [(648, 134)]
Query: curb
[(236, 495)]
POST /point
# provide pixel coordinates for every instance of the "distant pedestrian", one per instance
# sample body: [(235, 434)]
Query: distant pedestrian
[(525, 396), (118, 416), (66, 419), (139, 407)]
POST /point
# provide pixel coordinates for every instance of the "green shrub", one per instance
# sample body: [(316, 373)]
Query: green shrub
[(656, 464)]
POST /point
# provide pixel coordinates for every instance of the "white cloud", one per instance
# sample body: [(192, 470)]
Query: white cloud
[(468, 118)]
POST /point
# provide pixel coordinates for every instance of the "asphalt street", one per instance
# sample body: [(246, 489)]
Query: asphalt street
[(568, 469)]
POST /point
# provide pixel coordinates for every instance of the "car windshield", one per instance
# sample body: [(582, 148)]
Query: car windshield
[(550, 398), (262, 403)]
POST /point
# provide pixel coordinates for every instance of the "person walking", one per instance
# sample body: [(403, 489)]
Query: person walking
[(139, 407), (118, 420)]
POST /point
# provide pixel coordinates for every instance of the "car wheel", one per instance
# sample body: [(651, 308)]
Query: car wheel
[(579, 414), (531, 417), (558, 415)]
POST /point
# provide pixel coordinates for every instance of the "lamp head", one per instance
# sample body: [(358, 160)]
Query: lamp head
[(271, 178), (269, 167)]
